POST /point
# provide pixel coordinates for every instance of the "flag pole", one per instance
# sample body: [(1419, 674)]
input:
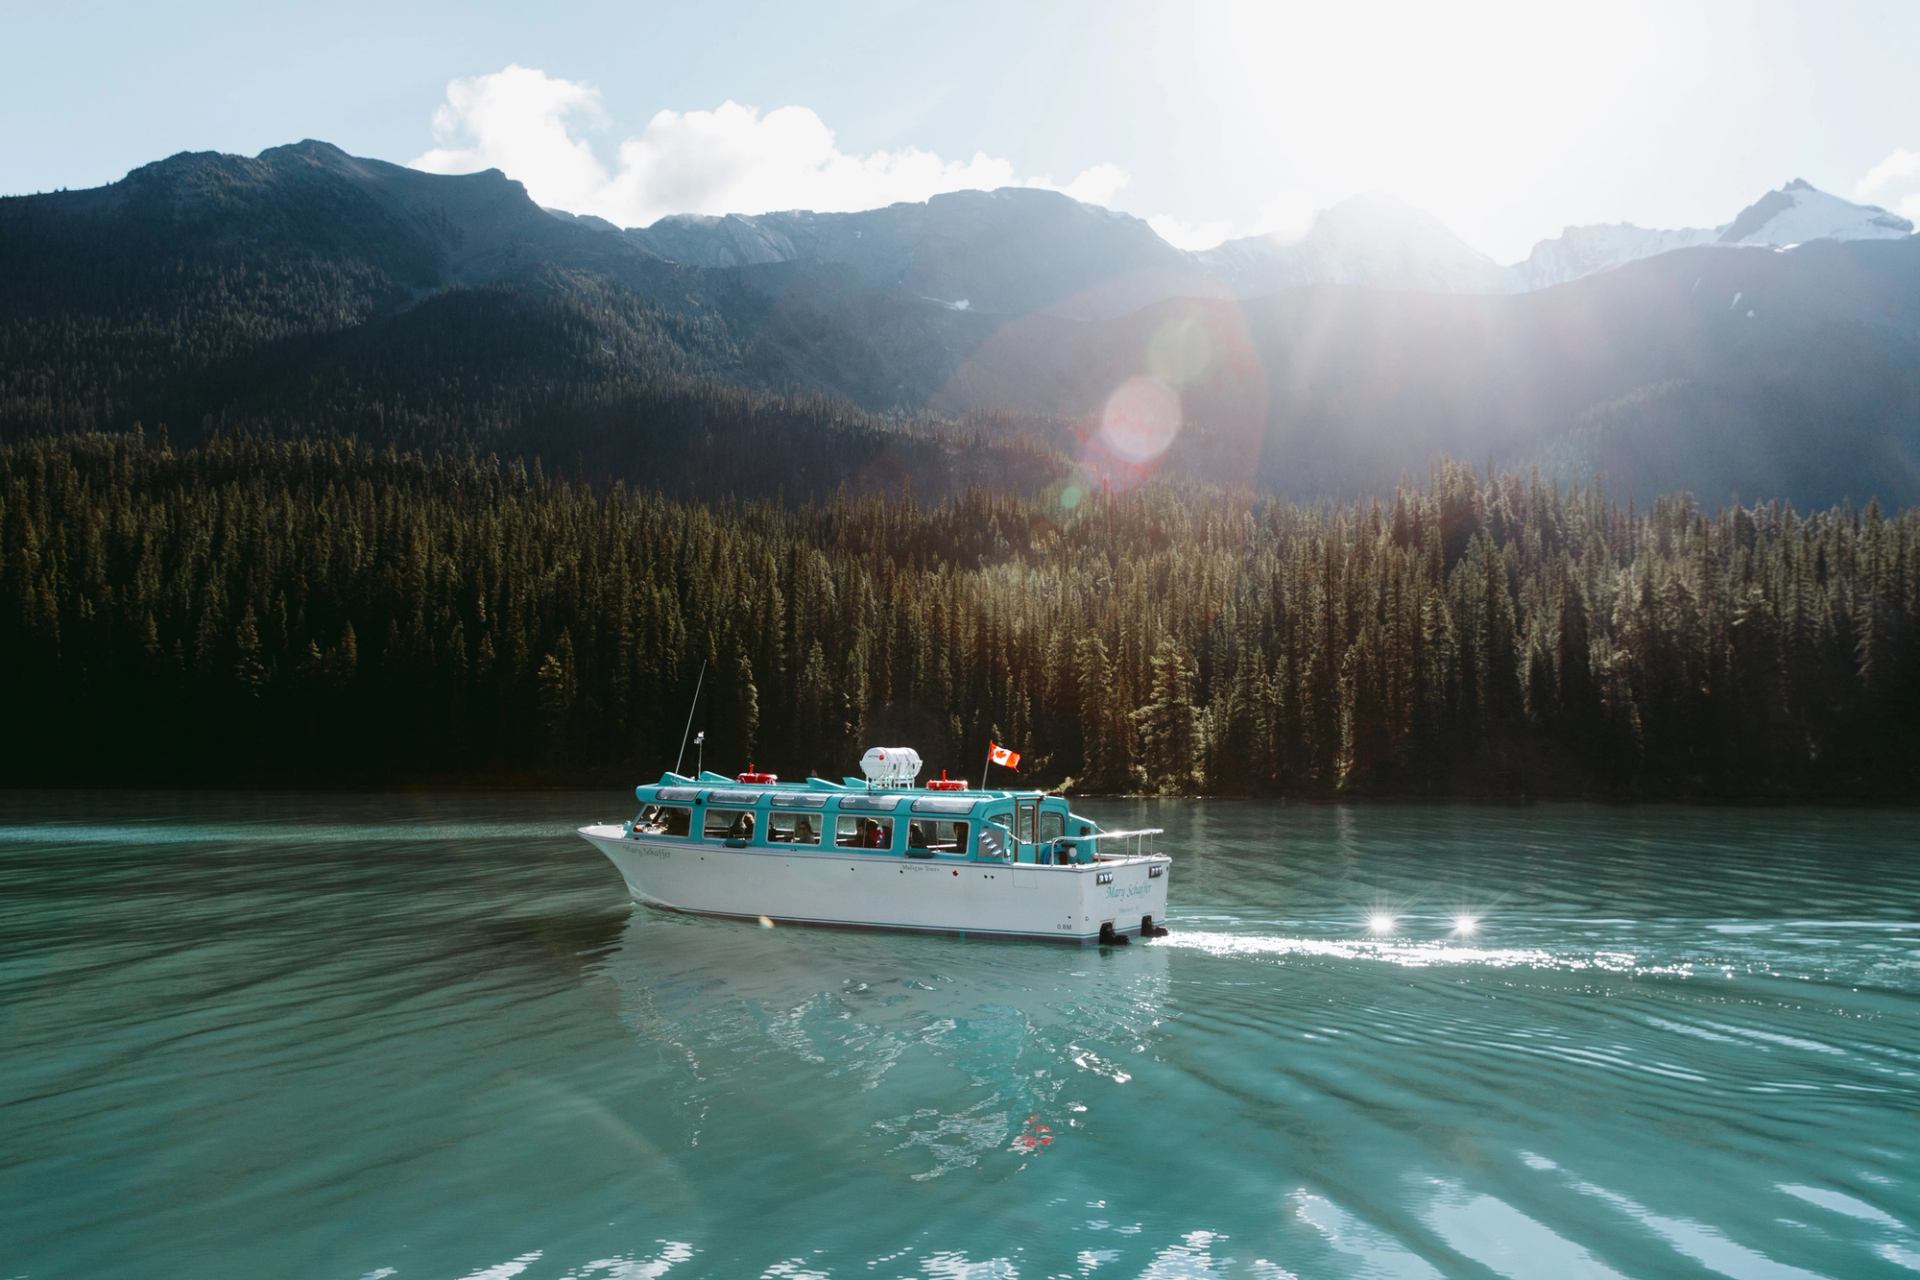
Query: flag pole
[(988, 765)]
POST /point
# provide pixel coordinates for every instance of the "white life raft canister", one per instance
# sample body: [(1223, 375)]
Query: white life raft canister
[(891, 766)]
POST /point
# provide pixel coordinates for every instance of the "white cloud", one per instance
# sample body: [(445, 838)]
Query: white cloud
[(1285, 218), (1192, 235), (732, 159), (518, 120), (1894, 183), (1097, 185)]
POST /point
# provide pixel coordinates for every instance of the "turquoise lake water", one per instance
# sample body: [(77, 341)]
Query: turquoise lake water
[(427, 1036)]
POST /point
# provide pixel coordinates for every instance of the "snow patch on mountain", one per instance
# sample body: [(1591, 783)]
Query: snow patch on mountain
[(1800, 211), (1581, 251), (1780, 220)]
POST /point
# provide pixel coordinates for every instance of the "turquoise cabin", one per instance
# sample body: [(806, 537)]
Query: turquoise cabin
[(857, 817)]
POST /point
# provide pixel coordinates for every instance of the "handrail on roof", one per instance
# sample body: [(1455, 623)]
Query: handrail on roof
[(853, 786)]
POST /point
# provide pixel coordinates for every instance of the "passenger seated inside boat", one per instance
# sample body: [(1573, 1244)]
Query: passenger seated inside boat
[(916, 836), (742, 828), (791, 828), (663, 820), (942, 836), (864, 833)]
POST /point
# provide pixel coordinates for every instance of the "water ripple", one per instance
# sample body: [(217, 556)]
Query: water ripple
[(425, 1035)]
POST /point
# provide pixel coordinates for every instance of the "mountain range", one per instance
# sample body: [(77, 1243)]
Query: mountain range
[(1020, 249), (1003, 337)]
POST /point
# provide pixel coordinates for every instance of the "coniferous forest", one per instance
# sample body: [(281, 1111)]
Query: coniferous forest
[(255, 609)]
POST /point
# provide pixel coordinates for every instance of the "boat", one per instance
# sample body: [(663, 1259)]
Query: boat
[(884, 851)]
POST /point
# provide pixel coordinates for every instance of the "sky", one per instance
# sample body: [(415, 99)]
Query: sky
[(1212, 119)]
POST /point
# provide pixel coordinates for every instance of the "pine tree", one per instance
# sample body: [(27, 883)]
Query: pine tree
[(1169, 725), (558, 691)]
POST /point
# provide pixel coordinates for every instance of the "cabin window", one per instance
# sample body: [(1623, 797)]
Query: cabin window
[(942, 835), (728, 824), (1052, 825), (943, 804), (793, 828), (664, 820), (870, 804), (853, 832), (1023, 823)]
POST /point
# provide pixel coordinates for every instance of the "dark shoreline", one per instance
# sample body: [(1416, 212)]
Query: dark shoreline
[(470, 787)]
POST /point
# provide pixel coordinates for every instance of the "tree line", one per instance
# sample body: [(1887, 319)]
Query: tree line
[(268, 609)]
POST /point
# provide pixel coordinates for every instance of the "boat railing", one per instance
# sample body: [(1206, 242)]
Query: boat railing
[(1142, 841)]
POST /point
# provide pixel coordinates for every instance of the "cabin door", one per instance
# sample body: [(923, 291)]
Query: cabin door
[(1025, 815)]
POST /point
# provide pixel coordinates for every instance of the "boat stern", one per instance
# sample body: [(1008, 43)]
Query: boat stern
[(1127, 897)]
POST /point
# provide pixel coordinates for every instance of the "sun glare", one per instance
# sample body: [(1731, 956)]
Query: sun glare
[(1437, 104), (1380, 922)]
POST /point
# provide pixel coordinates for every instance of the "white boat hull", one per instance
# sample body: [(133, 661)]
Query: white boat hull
[(844, 887)]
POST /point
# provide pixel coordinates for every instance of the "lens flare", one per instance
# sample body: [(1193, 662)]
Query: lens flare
[(1380, 922), (1140, 419), (1180, 351), (1465, 925)]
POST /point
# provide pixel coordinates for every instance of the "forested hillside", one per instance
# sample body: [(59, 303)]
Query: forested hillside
[(310, 293), (318, 610)]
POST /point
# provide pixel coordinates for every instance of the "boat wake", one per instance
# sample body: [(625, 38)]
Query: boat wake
[(1415, 955)]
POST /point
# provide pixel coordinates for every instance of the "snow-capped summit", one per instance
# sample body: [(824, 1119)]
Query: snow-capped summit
[(1800, 211), (1794, 214), (1581, 251)]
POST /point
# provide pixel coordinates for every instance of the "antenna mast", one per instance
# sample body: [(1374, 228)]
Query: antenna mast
[(681, 758)]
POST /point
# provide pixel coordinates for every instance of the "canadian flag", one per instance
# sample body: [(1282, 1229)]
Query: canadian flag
[(1003, 757)]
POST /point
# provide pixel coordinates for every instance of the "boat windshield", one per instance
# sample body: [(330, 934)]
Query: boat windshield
[(664, 820)]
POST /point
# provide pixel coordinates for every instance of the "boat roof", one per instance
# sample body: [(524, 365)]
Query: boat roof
[(817, 793)]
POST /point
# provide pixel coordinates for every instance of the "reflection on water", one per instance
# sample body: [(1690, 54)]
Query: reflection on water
[(424, 1036), (937, 1054)]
